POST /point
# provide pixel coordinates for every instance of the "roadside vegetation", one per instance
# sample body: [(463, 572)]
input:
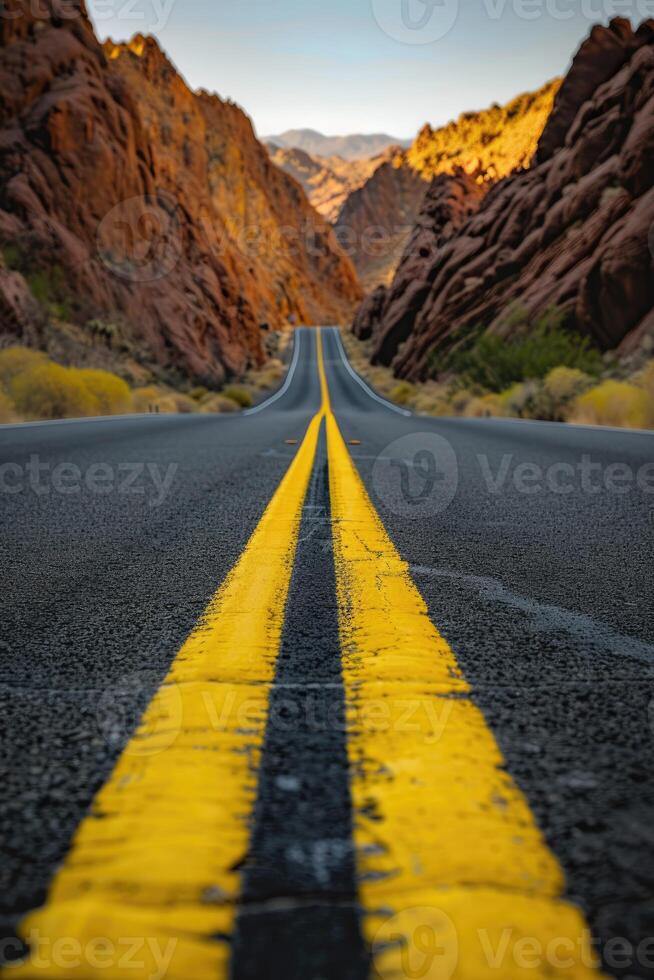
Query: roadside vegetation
[(33, 386), (543, 374)]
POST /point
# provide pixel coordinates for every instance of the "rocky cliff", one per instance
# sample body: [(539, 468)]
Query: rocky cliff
[(571, 232), (128, 198), (487, 145)]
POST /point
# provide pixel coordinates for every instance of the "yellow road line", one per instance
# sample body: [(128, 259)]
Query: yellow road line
[(156, 860), (455, 877)]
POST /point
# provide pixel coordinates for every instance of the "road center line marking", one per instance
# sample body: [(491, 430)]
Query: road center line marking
[(158, 856), (453, 870)]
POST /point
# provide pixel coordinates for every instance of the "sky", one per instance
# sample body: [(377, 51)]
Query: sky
[(362, 66)]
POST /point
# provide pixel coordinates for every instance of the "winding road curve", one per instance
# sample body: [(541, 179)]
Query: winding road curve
[(326, 690)]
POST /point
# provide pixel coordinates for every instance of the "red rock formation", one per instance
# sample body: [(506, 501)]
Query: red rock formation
[(130, 208), (570, 232), (449, 201), (488, 144)]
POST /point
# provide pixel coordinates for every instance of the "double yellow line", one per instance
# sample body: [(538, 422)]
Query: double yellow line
[(454, 875)]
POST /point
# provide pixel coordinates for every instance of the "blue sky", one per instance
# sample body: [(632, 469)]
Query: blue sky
[(343, 66)]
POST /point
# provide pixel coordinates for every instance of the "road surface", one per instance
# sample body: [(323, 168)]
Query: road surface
[(326, 690)]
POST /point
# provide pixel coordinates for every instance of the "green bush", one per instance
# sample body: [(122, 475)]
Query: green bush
[(496, 364), (49, 391), (110, 392), (48, 287)]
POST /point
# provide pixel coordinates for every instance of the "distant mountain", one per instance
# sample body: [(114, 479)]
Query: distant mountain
[(357, 146), (327, 181)]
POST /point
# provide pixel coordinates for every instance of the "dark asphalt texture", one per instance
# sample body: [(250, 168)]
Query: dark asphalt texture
[(546, 598)]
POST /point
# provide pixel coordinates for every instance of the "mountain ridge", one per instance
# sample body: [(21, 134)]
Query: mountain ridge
[(354, 146)]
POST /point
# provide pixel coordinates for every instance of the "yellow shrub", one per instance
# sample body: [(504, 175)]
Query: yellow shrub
[(49, 391), (403, 393), (611, 403), (645, 380), (460, 400), (7, 413), (564, 383), (16, 360), (185, 405), (241, 396), (218, 403), (153, 399), (484, 406), (111, 392)]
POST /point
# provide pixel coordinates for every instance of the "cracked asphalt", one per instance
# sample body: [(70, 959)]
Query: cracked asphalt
[(531, 544)]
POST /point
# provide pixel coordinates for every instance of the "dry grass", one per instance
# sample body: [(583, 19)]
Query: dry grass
[(565, 394)]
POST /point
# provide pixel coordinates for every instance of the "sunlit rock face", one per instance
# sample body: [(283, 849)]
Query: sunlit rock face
[(569, 232), (148, 204), (486, 145)]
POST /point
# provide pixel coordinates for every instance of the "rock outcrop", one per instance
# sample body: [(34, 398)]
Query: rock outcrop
[(570, 232), (488, 145), (125, 195)]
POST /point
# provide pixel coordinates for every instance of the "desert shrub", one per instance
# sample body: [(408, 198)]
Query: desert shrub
[(432, 399), (16, 360), (200, 393), (269, 375), (459, 400), (403, 393), (611, 403), (218, 403), (241, 396), (49, 391), (522, 400), (111, 393), (484, 406), (7, 413), (153, 399), (645, 380), (559, 388), (496, 364), (185, 405), (563, 383)]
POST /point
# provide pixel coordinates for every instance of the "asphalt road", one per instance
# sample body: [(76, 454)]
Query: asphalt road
[(531, 544)]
